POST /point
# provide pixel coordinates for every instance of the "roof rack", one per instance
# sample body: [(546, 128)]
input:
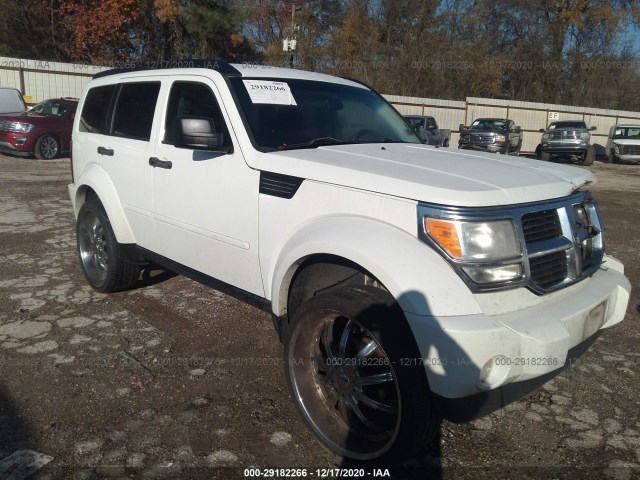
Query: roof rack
[(217, 65)]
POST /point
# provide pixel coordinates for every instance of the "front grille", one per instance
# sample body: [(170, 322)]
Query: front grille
[(542, 225), (482, 139), (630, 150), (5, 126), (564, 134), (549, 270)]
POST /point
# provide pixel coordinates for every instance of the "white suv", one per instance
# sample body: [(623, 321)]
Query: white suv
[(404, 279)]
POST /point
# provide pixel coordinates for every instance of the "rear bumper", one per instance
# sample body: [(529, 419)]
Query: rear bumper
[(471, 354)]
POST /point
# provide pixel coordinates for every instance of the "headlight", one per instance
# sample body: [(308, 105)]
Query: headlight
[(585, 136), (475, 241), (545, 137), (616, 148), (482, 249), (501, 138), (19, 127)]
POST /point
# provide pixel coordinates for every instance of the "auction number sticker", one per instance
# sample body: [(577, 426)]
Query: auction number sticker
[(269, 91)]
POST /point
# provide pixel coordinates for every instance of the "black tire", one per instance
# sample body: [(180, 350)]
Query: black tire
[(47, 147), (546, 156), (610, 157), (516, 152), (103, 260), (589, 156), (365, 329)]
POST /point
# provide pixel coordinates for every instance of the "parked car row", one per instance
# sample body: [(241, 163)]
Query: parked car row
[(567, 139)]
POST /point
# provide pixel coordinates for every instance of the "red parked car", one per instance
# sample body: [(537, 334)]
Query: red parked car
[(44, 130)]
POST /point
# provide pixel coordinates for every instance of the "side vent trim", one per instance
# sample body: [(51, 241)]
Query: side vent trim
[(278, 185)]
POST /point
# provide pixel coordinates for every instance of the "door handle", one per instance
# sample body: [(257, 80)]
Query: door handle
[(105, 151), (156, 162)]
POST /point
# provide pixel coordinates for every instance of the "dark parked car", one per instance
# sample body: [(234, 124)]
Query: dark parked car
[(44, 130), (428, 131), (498, 135)]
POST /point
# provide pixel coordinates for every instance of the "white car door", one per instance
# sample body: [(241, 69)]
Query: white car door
[(206, 202)]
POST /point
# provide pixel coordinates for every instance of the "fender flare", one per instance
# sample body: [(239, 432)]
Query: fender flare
[(97, 179), (419, 279)]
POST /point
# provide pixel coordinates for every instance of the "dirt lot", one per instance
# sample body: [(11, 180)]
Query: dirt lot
[(180, 380)]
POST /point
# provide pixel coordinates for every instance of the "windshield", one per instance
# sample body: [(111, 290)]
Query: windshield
[(627, 132), (50, 108), (286, 114), (576, 124), (489, 124)]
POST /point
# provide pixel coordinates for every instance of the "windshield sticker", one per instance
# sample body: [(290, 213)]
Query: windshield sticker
[(268, 91)]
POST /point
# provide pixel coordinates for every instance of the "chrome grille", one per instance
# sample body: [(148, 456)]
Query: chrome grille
[(482, 139), (5, 126), (564, 134), (542, 225), (549, 270)]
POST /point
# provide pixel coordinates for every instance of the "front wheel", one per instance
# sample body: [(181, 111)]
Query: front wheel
[(348, 365), (104, 262), (589, 156), (47, 147)]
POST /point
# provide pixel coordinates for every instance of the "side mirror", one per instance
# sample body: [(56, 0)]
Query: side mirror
[(518, 130), (542, 130), (198, 133), (592, 128), (461, 127)]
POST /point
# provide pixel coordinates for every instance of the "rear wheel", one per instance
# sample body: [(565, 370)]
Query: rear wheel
[(344, 353), (104, 262), (589, 156)]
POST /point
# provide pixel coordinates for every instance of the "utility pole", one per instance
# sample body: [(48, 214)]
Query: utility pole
[(289, 44)]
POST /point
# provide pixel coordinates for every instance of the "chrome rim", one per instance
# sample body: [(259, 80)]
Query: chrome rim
[(49, 147), (92, 246), (345, 384)]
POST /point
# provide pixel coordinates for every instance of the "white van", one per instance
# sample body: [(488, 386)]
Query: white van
[(11, 101)]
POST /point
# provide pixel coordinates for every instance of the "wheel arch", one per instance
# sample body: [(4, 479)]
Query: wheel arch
[(95, 181), (395, 261)]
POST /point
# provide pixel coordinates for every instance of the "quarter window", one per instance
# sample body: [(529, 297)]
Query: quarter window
[(95, 110)]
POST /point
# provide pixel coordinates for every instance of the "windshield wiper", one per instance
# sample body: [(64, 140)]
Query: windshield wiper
[(316, 142)]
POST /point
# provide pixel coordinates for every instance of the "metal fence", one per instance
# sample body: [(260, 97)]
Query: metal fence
[(39, 80)]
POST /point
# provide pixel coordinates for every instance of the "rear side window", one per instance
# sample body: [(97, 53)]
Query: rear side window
[(95, 109), (133, 116)]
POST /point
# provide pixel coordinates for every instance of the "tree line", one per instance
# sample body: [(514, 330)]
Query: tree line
[(575, 52)]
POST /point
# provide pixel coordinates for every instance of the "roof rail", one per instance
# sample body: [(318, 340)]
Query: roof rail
[(217, 65)]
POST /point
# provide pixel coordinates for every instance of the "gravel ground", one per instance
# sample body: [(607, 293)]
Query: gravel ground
[(176, 379)]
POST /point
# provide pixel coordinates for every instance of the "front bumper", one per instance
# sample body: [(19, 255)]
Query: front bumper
[(470, 354), (565, 147), (16, 144), (497, 147), (628, 158)]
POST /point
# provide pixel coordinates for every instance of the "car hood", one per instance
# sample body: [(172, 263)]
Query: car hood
[(436, 175), (626, 141)]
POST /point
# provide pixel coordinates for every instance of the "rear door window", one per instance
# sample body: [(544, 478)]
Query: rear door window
[(136, 105)]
